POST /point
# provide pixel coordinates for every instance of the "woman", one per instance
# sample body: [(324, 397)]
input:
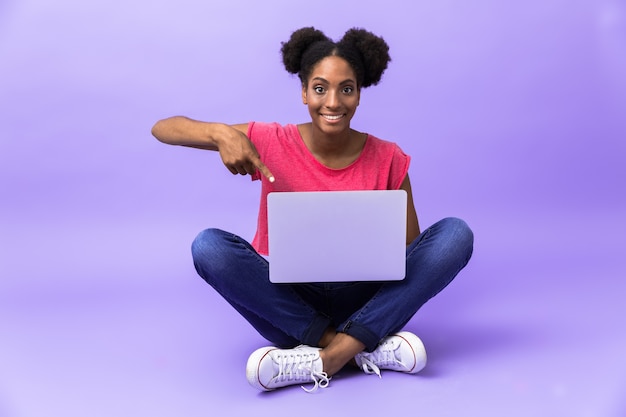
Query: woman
[(319, 328)]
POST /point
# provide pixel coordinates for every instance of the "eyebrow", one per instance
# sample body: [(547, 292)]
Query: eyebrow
[(348, 81)]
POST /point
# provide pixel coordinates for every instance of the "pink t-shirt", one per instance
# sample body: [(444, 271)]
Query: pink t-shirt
[(381, 166)]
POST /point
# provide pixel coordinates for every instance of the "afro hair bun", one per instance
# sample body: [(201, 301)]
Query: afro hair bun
[(374, 53), (297, 45)]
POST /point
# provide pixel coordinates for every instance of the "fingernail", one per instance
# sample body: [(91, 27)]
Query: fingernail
[(271, 179)]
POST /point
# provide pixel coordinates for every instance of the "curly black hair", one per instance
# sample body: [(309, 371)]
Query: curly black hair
[(367, 54)]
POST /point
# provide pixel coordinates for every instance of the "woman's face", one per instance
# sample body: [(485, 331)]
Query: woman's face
[(331, 95)]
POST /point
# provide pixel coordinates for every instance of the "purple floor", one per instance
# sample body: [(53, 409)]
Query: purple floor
[(513, 116)]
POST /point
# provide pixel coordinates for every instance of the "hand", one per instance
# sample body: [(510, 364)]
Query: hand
[(241, 157)]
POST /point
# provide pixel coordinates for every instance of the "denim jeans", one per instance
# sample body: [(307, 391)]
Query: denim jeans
[(292, 314)]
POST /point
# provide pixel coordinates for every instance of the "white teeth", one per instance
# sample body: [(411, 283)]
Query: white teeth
[(329, 117)]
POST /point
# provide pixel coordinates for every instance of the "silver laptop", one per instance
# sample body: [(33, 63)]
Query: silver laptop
[(337, 236)]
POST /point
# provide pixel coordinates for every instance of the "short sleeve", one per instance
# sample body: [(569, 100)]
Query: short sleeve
[(399, 168), (260, 134)]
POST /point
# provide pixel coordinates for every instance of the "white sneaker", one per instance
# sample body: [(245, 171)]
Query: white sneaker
[(402, 352), (269, 368)]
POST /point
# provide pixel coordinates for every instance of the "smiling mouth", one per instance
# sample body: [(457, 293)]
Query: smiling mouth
[(333, 117)]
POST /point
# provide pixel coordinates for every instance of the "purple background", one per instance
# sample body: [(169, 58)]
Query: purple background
[(514, 116)]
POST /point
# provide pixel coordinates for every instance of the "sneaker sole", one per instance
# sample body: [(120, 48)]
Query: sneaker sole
[(252, 367), (418, 350)]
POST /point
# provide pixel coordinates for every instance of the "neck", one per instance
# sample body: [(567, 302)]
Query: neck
[(334, 151), (330, 144)]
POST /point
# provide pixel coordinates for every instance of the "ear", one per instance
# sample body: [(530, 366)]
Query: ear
[(304, 100)]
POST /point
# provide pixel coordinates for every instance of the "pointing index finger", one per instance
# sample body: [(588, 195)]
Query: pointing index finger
[(264, 169)]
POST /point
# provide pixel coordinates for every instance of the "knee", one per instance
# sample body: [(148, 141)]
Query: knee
[(458, 234), (458, 228), (206, 252), (206, 243)]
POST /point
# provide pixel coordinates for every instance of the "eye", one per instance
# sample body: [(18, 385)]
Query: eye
[(348, 90), (318, 89)]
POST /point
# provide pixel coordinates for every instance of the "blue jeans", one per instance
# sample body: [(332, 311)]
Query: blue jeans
[(292, 314)]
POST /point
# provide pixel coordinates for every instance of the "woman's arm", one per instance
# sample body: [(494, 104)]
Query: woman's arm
[(412, 225), (183, 131), (236, 150)]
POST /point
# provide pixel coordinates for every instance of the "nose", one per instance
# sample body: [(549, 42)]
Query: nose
[(332, 100)]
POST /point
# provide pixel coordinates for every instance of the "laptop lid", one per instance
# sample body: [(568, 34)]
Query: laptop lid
[(337, 236)]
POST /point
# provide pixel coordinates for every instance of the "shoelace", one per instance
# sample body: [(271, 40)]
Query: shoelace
[(299, 367), (382, 356), (369, 367)]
